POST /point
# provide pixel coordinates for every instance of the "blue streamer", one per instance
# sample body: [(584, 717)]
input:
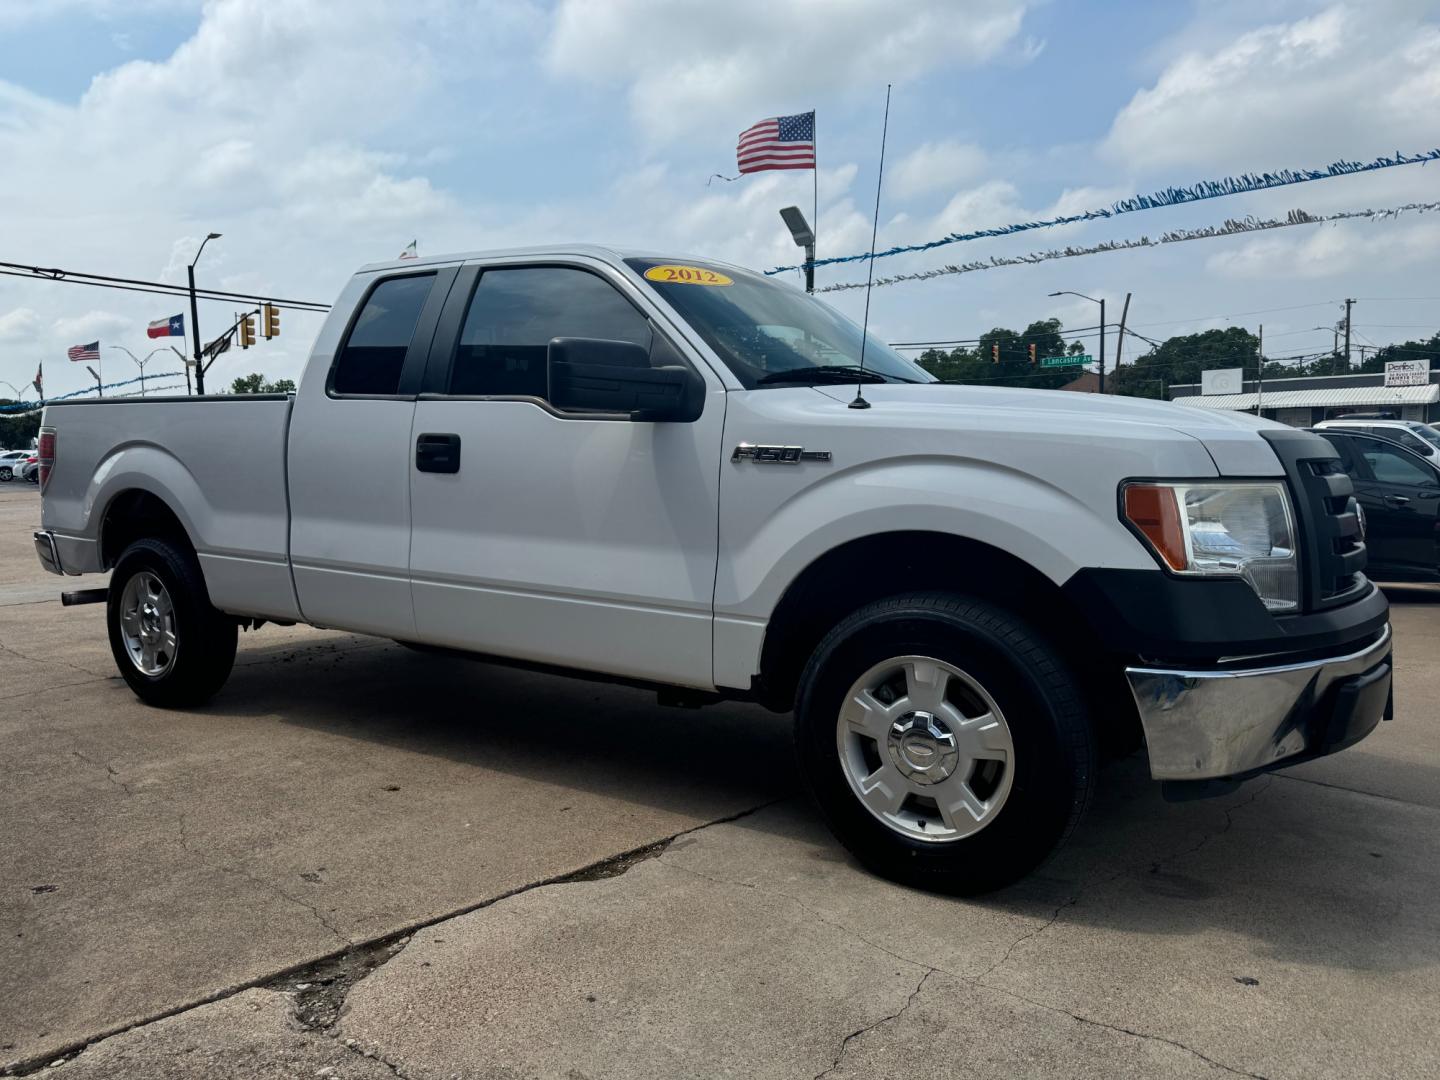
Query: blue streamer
[(1172, 196), (31, 406)]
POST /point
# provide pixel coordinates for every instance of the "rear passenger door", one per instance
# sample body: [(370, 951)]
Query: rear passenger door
[(349, 454), (582, 540), (1400, 493)]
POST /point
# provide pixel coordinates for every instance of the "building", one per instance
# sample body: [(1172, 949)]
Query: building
[(1308, 400)]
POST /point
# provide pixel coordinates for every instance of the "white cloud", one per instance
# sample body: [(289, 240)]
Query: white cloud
[(933, 166), (1349, 81), (19, 324), (693, 66), (1329, 251), (90, 325)]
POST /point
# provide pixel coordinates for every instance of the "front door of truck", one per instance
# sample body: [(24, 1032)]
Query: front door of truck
[(349, 455), (579, 540)]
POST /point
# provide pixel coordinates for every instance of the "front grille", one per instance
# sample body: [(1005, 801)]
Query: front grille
[(1332, 552)]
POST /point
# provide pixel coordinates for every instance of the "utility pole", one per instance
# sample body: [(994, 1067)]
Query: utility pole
[(1120, 334), (1102, 345), (1259, 369), (1347, 335)]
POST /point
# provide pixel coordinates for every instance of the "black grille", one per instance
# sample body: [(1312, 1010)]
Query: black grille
[(1332, 553)]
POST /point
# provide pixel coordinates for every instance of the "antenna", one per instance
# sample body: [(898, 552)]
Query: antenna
[(860, 402)]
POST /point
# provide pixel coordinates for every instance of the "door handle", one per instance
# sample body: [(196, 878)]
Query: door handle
[(438, 453), (1396, 500)]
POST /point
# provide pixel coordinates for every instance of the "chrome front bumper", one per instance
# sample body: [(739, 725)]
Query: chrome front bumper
[(1205, 724)]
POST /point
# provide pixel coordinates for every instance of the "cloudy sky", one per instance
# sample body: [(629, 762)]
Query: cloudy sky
[(318, 135)]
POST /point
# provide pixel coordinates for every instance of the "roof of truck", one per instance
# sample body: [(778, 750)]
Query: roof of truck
[(599, 251)]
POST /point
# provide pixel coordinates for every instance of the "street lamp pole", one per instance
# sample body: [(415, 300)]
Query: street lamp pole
[(1101, 302), (195, 315), (139, 362)]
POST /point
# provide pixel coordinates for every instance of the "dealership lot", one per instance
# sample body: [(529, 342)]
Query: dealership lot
[(375, 862)]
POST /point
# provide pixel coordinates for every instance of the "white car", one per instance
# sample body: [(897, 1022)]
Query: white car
[(676, 474), (10, 461), (1416, 437)]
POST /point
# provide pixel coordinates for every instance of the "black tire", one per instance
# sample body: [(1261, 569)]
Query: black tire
[(6, 473), (205, 649), (1054, 741)]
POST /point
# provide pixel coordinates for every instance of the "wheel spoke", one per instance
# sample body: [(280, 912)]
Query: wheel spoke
[(984, 737), (168, 642), (925, 683), (130, 623), (866, 714), (884, 790), (959, 806)]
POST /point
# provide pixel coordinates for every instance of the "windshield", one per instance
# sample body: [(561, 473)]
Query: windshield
[(770, 334), (1430, 435)]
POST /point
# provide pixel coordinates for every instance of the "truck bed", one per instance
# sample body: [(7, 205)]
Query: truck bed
[(217, 462)]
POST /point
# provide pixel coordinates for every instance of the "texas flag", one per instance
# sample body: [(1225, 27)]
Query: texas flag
[(174, 326)]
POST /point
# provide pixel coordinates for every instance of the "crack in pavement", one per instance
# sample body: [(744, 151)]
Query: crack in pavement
[(110, 772), (51, 663), (1124, 1031), (845, 1042), (355, 1048), (294, 972)]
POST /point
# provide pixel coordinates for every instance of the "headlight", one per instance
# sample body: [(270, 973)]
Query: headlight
[(1243, 530)]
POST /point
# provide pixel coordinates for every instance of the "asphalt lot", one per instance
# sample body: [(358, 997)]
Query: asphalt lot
[(360, 861)]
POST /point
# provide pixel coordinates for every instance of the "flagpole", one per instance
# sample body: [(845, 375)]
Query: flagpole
[(815, 181)]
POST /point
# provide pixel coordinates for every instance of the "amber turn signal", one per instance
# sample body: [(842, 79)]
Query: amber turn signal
[(1153, 510)]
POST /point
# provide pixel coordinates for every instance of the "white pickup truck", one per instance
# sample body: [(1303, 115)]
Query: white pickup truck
[(657, 471)]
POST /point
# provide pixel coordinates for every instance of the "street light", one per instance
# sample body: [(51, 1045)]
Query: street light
[(139, 361), (195, 315), (1068, 292), (804, 237)]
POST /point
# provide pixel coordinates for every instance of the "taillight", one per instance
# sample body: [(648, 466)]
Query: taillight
[(46, 454)]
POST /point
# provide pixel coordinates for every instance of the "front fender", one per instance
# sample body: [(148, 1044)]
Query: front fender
[(1045, 526)]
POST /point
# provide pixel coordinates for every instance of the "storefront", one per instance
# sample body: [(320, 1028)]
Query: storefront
[(1305, 401)]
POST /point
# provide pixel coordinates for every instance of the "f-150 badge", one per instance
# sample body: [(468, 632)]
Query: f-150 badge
[(777, 455)]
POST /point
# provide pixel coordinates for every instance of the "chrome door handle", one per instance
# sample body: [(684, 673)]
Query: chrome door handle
[(1396, 500)]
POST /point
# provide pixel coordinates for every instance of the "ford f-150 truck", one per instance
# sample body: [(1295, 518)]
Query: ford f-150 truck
[(678, 473)]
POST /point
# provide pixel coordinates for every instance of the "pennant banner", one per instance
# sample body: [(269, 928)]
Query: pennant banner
[(1205, 189), (1232, 227)]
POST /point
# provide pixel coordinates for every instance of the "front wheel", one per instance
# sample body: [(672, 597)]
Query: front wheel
[(946, 743), (171, 646), (6, 473)]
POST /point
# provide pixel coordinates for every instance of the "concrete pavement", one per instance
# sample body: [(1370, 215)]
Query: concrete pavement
[(314, 833)]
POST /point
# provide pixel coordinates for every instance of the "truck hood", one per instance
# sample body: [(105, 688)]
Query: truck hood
[(1230, 437)]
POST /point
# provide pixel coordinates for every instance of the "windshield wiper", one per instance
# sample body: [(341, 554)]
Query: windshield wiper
[(827, 373)]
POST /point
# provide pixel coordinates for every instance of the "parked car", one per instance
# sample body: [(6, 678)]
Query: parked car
[(29, 470), (677, 474), (1399, 493), (1416, 437), (10, 460)]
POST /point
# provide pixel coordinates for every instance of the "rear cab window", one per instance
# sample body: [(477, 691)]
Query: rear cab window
[(370, 361)]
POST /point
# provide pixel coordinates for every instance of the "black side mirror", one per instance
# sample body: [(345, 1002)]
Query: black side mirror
[(595, 375)]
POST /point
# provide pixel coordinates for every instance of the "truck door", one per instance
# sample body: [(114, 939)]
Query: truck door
[(349, 454), (585, 541)]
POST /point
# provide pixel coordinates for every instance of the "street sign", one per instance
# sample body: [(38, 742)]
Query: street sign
[(1066, 361), (1407, 372)]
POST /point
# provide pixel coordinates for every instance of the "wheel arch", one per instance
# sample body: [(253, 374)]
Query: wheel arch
[(859, 571), (135, 513)]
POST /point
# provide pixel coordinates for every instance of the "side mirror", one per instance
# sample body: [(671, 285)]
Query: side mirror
[(595, 375)]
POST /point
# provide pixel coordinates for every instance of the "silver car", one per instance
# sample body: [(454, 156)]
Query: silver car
[(10, 462)]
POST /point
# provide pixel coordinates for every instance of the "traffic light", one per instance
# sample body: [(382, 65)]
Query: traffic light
[(270, 321), (247, 331), (995, 353), (1032, 353)]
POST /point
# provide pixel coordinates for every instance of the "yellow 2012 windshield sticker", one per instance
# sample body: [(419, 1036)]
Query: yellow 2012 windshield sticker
[(686, 275)]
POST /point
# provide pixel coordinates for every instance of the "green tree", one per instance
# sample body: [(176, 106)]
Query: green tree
[(1181, 360), (18, 432), (1013, 367), (255, 383)]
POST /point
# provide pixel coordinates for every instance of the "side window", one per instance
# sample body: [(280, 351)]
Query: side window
[(1407, 440), (1391, 465), (514, 314), (374, 353)]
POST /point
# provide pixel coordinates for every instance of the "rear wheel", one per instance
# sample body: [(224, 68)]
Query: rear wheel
[(171, 646), (946, 742), (6, 473)]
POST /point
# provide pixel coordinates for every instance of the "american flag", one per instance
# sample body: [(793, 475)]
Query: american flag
[(781, 142), (84, 352)]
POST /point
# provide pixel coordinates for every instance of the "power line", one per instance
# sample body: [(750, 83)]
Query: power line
[(159, 288)]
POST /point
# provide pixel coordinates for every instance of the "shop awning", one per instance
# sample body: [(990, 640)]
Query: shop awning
[(1323, 399)]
